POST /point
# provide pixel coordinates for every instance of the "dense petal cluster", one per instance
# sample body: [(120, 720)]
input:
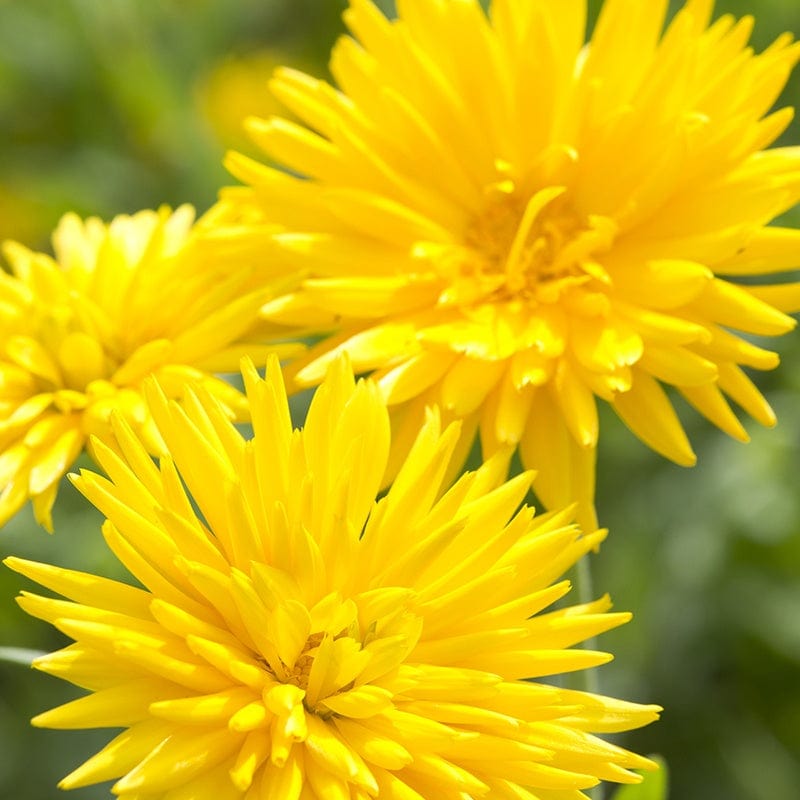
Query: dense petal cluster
[(295, 639), (79, 333), (511, 223)]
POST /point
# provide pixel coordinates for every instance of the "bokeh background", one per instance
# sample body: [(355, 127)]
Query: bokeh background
[(109, 106)]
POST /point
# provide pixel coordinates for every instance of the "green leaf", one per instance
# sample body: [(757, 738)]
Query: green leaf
[(654, 786)]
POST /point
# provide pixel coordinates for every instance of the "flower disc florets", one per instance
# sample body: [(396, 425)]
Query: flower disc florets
[(296, 639)]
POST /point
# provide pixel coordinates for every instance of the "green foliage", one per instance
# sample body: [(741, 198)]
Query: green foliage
[(655, 785)]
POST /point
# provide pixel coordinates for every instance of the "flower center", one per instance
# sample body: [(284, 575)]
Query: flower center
[(530, 249), (318, 681), (298, 675)]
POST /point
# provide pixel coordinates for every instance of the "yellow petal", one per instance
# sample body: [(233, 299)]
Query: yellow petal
[(180, 757), (647, 411), (81, 359), (711, 403), (55, 459), (735, 383), (364, 701), (577, 404), (564, 469), (678, 366), (734, 306), (29, 354)]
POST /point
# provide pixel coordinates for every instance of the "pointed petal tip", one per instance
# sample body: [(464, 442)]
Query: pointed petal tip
[(40, 720), (600, 533), (40, 663)]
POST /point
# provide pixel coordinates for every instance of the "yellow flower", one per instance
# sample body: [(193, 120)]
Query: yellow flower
[(508, 222), (80, 332), (295, 639)]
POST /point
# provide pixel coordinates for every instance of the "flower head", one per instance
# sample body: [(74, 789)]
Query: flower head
[(508, 222), (294, 638), (79, 333)]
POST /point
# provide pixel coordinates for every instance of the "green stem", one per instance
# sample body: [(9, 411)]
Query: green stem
[(19, 655), (586, 680), (581, 576)]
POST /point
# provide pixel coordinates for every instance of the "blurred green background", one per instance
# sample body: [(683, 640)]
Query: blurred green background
[(109, 106)]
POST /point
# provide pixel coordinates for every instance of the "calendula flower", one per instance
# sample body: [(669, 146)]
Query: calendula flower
[(79, 332), (295, 639), (511, 223)]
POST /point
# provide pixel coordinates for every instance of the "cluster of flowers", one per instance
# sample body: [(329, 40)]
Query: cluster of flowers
[(498, 224)]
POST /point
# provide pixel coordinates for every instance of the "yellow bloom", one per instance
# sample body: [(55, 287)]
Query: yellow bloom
[(510, 223), (295, 639), (80, 332)]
